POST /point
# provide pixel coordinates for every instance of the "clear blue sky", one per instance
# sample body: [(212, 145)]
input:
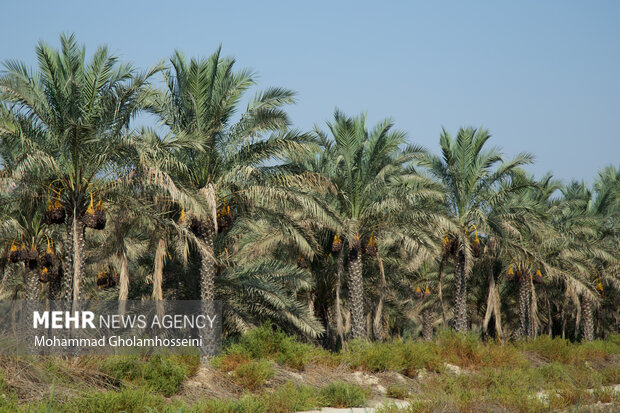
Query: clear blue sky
[(543, 76)]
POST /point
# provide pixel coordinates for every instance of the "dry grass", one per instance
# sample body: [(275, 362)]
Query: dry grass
[(267, 371)]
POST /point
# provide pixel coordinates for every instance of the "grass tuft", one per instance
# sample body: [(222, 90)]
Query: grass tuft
[(253, 374), (341, 394)]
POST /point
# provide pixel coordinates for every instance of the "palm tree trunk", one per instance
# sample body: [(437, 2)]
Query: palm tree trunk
[(460, 296), (67, 279), (427, 324), (32, 281), (493, 305), (78, 261), (55, 284), (205, 231), (158, 270), (32, 297), (588, 321), (533, 309), (442, 265), (524, 306), (377, 325), (123, 292), (549, 316), (563, 316), (207, 262), (356, 295), (123, 263), (339, 322)]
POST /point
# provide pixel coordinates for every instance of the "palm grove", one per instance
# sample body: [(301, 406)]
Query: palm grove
[(345, 232)]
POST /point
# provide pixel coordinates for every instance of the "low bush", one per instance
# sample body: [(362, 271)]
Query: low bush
[(551, 349), (292, 398), (611, 375), (230, 362), (402, 356), (6, 392), (341, 394), (266, 342), (398, 391), (245, 404), (288, 398), (126, 400), (253, 374), (160, 374)]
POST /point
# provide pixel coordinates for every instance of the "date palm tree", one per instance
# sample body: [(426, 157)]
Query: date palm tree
[(236, 165), (521, 236), (474, 180), (70, 117), (591, 233), (374, 193)]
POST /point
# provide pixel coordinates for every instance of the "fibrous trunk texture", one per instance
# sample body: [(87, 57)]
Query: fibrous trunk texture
[(356, 295), (32, 296), (32, 281), (158, 270), (67, 279), (55, 284), (207, 262), (123, 291), (78, 260), (340, 271), (205, 233), (525, 306), (460, 296), (442, 265), (377, 325), (588, 319), (549, 317), (427, 324), (493, 305), (563, 315)]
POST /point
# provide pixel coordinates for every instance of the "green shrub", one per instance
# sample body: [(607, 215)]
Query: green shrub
[(607, 396), (266, 342), (127, 400), (554, 375), (164, 376), (611, 375), (504, 389), (246, 404), (288, 398), (253, 374), (402, 356), (160, 374), (464, 350), (375, 356), (229, 362), (341, 394), (291, 398), (599, 350), (6, 392), (551, 349), (420, 355), (398, 391)]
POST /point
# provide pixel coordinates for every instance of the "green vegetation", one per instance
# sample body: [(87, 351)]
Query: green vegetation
[(162, 375), (531, 376), (340, 394), (354, 233), (329, 250), (398, 391), (253, 374), (266, 343)]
